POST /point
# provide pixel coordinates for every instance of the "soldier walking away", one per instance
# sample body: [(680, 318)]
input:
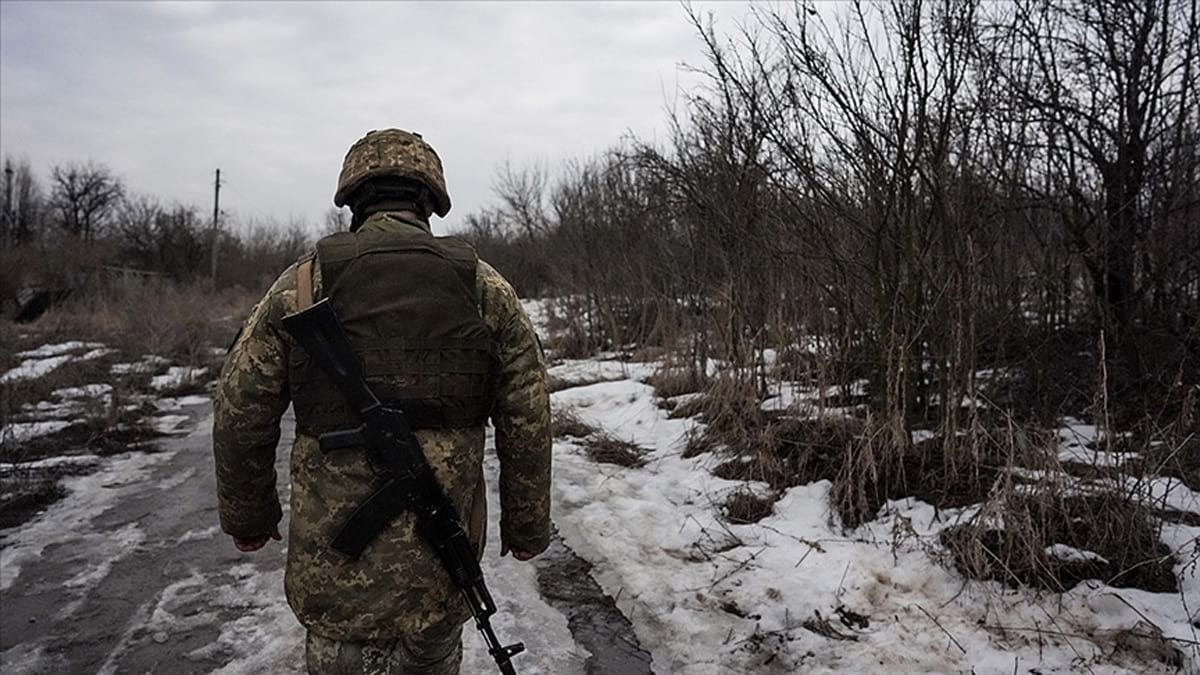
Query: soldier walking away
[(440, 336)]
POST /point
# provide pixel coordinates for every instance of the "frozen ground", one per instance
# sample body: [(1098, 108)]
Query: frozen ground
[(130, 574), (794, 593)]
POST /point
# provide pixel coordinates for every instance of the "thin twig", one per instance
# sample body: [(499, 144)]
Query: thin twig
[(943, 629)]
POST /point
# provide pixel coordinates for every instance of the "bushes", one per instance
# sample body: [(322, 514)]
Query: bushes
[(1053, 539), (182, 322)]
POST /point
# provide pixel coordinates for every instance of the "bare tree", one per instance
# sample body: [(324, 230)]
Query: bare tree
[(172, 240), (26, 210), (1109, 88), (84, 196), (336, 220), (523, 194)]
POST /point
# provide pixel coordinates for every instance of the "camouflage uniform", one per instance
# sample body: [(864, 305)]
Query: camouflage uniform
[(396, 594)]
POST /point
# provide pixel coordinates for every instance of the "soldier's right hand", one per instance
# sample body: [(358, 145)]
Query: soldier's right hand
[(518, 553), (248, 544)]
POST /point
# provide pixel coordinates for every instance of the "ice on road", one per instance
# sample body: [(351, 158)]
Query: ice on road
[(130, 574)]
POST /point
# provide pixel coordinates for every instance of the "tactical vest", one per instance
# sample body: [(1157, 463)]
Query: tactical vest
[(410, 307)]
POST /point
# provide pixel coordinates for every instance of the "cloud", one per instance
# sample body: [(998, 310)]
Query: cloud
[(274, 94)]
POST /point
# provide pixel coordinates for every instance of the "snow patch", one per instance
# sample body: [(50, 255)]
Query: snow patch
[(34, 368), (177, 376), (86, 391), (169, 424), (19, 432), (1074, 555), (7, 468), (198, 535), (149, 363), (761, 597), (58, 349), (68, 521)]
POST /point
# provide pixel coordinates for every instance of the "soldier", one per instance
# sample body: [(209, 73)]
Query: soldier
[(442, 336)]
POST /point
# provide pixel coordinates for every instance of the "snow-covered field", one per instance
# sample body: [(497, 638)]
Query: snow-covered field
[(710, 597), (796, 593)]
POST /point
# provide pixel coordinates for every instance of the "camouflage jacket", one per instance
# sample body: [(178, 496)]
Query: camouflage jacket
[(397, 587)]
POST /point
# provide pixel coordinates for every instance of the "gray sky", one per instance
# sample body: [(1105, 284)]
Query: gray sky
[(274, 93)]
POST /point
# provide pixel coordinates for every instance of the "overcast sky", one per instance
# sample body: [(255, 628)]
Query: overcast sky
[(275, 93)]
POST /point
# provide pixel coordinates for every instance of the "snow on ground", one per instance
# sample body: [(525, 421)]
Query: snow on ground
[(169, 424), (177, 376), (86, 391), (1074, 439), (538, 312), (170, 404), (803, 398), (149, 363), (19, 432), (58, 349), (7, 468), (31, 369), (68, 520), (765, 597), (40, 361), (583, 370), (267, 637)]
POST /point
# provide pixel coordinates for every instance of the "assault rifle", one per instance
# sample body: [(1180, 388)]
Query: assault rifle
[(407, 482)]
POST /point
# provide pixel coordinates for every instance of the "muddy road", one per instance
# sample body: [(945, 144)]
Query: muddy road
[(130, 574)]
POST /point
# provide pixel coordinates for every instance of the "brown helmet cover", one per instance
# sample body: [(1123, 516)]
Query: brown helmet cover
[(393, 152)]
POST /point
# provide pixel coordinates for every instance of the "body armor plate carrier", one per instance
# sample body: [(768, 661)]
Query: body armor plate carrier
[(410, 306)]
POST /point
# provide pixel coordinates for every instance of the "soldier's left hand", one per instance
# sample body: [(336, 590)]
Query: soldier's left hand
[(248, 544)]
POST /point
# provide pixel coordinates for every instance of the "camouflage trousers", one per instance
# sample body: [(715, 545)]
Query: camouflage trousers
[(437, 651)]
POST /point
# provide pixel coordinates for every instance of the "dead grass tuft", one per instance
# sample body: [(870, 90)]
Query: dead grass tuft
[(566, 422), (1012, 541), (672, 382), (608, 449), (743, 506), (180, 322)]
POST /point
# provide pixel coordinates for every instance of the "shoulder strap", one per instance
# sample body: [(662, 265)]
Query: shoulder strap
[(304, 284)]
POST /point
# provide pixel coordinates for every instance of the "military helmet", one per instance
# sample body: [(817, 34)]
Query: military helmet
[(393, 152)]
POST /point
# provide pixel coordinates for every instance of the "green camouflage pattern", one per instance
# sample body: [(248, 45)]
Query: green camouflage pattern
[(436, 651), (397, 587), (393, 152)]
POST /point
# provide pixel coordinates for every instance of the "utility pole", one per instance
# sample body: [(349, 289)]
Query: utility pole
[(216, 232), (9, 216)]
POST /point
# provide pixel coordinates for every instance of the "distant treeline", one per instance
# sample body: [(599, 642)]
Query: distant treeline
[(85, 217)]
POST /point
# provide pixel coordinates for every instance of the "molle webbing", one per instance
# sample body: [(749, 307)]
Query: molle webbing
[(409, 305)]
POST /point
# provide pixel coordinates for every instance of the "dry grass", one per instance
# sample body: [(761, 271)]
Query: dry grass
[(743, 507), (180, 322), (566, 422), (608, 449), (566, 331), (1009, 541), (16, 394), (672, 382)]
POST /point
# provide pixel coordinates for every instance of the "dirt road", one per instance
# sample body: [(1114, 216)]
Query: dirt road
[(130, 574)]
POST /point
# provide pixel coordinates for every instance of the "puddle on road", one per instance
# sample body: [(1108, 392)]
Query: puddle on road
[(565, 581)]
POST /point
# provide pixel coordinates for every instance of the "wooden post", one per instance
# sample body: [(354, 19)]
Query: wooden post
[(9, 216), (216, 232)]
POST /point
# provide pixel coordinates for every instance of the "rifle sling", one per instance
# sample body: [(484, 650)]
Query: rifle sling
[(304, 284)]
